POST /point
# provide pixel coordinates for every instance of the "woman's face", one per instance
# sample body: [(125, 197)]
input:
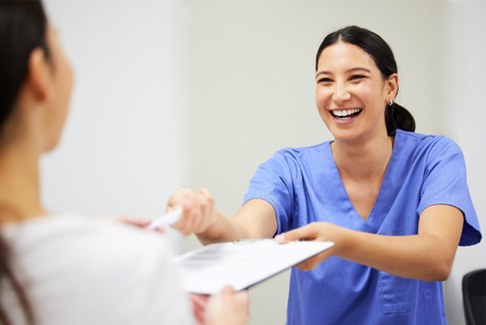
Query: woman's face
[(351, 93), (61, 78)]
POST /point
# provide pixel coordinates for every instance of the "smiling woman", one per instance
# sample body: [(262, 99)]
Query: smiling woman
[(394, 202), (368, 61)]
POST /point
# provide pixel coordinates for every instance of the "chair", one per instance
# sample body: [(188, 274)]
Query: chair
[(474, 297)]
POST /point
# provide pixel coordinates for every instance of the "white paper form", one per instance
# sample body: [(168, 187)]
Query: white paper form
[(241, 264)]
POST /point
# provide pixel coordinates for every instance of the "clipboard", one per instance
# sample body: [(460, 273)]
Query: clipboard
[(241, 264)]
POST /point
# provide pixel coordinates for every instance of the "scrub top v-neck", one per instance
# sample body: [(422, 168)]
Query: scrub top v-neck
[(304, 185), (382, 202)]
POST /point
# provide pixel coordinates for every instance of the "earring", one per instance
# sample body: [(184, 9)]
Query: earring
[(390, 102)]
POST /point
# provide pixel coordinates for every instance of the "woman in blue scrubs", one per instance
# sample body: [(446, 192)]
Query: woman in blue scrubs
[(395, 203)]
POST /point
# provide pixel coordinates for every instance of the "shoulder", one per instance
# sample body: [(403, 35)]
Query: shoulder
[(294, 160), (97, 267), (430, 145), (304, 150), (74, 243), (302, 154), (70, 232)]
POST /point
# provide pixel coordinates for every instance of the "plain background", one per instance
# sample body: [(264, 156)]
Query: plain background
[(198, 93)]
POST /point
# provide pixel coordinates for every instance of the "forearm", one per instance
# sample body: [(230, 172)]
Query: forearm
[(255, 219), (423, 257), (426, 256), (224, 229)]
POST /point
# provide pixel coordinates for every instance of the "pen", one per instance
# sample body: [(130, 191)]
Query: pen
[(166, 220)]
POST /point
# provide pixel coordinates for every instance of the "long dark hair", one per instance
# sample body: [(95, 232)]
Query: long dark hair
[(23, 27), (396, 116)]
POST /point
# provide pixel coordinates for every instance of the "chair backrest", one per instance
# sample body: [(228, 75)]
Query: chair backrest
[(474, 297)]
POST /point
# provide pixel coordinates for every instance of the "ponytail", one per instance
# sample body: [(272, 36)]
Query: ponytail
[(398, 117)]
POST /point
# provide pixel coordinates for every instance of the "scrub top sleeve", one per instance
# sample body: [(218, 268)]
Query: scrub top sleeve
[(272, 182), (445, 182)]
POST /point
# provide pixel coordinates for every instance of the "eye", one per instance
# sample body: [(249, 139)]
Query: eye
[(357, 77), (324, 80)]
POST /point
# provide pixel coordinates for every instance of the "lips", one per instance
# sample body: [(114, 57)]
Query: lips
[(345, 113)]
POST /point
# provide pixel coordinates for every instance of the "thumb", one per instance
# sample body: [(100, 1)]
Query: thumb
[(303, 233)]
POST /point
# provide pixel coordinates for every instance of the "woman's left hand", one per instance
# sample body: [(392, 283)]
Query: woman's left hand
[(316, 231)]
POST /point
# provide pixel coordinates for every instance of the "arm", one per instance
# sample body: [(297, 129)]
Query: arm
[(426, 256), (255, 219)]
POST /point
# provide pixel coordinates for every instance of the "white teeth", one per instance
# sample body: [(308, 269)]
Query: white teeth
[(345, 112)]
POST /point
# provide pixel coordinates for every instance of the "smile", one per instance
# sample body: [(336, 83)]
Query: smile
[(345, 113)]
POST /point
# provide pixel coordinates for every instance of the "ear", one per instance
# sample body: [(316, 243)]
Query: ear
[(392, 87), (39, 76)]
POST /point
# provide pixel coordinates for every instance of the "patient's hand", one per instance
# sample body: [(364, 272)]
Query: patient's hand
[(131, 221), (227, 307)]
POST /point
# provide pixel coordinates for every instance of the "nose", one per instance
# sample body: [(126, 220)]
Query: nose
[(340, 93)]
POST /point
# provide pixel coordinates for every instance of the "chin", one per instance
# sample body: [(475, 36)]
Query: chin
[(345, 135)]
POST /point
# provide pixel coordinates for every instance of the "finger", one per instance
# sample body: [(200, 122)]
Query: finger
[(199, 300), (227, 290), (199, 306), (189, 213), (198, 312), (242, 297), (198, 219), (304, 233), (314, 261), (304, 266), (243, 300), (133, 221), (178, 197), (206, 200)]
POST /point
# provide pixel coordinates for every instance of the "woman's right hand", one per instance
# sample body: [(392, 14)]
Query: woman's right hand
[(198, 210)]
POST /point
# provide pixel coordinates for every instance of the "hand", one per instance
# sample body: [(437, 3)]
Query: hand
[(316, 231), (198, 210), (227, 307)]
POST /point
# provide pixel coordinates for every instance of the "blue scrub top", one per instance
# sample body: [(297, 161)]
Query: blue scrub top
[(303, 185)]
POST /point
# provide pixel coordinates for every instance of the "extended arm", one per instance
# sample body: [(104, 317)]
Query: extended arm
[(255, 219), (426, 256)]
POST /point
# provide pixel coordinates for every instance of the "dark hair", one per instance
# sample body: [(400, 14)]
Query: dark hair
[(23, 27), (396, 116)]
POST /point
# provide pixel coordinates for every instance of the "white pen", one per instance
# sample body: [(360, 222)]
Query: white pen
[(166, 220)]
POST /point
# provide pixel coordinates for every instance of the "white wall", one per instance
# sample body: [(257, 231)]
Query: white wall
[(120, 152), (198, 93), (465, 76)]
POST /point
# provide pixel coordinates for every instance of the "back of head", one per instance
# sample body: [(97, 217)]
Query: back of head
[(396, 116), (22, 28)]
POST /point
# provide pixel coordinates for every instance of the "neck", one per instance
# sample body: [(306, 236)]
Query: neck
[(20, 184), (364, 160)]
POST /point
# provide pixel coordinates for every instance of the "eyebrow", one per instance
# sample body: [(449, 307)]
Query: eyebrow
[(348, 71)]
